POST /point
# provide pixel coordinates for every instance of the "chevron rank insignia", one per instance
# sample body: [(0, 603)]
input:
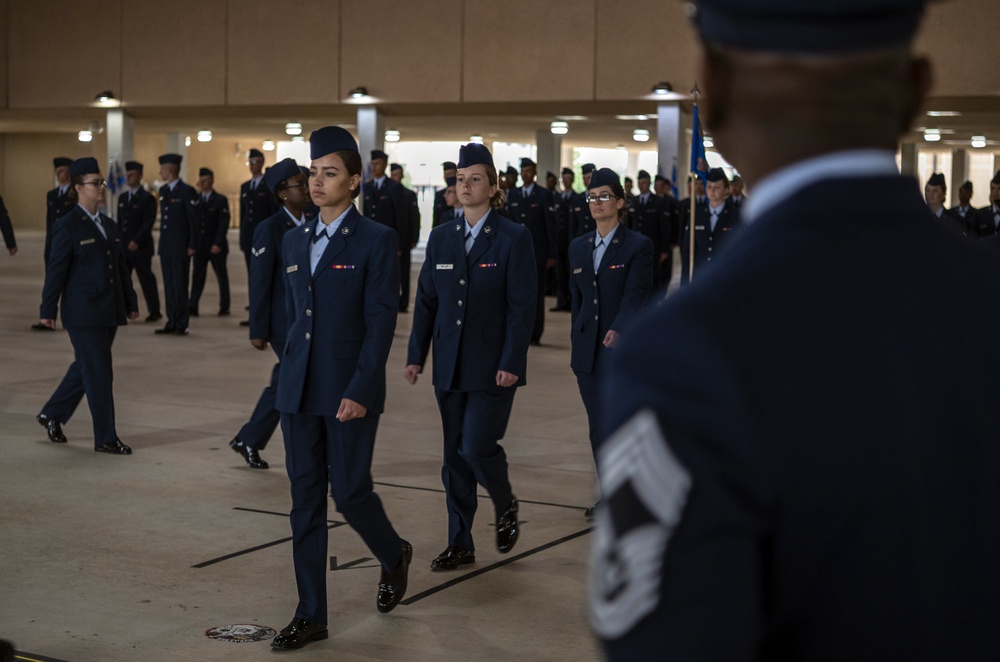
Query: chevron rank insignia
[(258, 251)]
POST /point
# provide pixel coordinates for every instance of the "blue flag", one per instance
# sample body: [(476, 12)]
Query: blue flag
[(699, 163), (116, 178), (673, 181)]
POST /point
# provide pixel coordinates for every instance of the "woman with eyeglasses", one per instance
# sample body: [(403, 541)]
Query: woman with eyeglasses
[(341, 274), (611, 277), (476, 299), (86, 274)]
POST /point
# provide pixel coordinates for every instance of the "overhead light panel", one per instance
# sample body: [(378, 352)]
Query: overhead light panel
[(709, 142), (632, 118), (298, 139), (663, 88), (392, 136), (943, 113), (267, 145), (979, 142), (293, 129), (640, 135), (932, 135), (85, 136), (476, 138), (205, 136), (559, 128), (359, 92)]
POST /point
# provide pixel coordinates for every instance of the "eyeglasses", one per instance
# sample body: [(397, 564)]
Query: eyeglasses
[(604, 197), (96, 183), (302, 186)]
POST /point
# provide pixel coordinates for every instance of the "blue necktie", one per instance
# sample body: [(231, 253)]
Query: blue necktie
[(320, 234)]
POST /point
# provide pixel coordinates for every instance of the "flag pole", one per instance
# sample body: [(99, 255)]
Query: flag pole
[(692, 175)]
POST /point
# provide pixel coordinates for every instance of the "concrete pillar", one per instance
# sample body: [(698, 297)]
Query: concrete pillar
[(959, 173), (175, 145), (669, 140), (996, 163), (549, 153), (908, 164), (121, 136), (371, 135)]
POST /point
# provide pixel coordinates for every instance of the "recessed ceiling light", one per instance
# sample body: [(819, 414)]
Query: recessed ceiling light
[(640, 135), (932, 135), (632, 118), (85, 136), (293, 129), (559, 128), (267, 146), (204, 136), (978, 142), (943, 113), (392, 136)]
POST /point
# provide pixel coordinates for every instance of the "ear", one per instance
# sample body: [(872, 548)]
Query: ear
[(716, 88)]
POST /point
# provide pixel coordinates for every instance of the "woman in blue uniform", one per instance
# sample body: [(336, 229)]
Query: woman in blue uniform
[(476, 298), (87, 275), (611, 279), (342, 292)]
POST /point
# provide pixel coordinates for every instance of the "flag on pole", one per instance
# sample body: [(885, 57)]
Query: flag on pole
[(116, 178), (699, 163), (673, 181)]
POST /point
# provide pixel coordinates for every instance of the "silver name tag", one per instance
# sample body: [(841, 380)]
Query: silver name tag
[(87, 241), (444, 266), (292, 268)]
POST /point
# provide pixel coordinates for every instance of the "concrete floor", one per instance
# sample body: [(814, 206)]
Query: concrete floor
[(134, 558)]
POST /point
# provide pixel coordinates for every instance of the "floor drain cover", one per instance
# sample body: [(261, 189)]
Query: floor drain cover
[(240, 634)]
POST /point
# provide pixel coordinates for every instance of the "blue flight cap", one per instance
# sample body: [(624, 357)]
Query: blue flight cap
[(566, 171), (604, 177), (393, 167), (281, 171), (511, 171), (717, 175), (526, 162), (966, 186), (937, 179), (379, 154), (587, 167), (810, 27), (472, 154), (61, 161), (661, 178), (449, 165), (330, 139), (450, 181), (171, 158), (205, 172), (255, 154), (642, 175), (85, 166), (133, 165)]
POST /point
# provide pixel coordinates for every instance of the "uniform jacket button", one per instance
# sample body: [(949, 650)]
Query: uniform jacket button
[(308, 336), (460, 302), (309, 313), (461, 281), (458, 322)]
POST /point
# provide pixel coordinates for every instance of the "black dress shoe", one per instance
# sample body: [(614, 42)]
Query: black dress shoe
[(536, 341), (244, 322), (507, 528), (392, 586), (154, 317), (589, 512), (116, 447), (193, 312), (297, 634), (181, 332), (165, 330), (52, 426), (38, 326), (453, 557), (224, 313), (251, 455)]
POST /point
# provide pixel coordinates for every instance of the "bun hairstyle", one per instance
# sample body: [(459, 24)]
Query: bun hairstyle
[(608, 177), (499, 199)]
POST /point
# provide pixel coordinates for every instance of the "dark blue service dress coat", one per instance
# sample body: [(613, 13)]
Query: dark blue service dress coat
[(708, 243), (793, 452), (604, 301), (179, 231)]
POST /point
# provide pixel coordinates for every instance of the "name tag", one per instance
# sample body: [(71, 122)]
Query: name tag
[(699, 227), (578, 270), (292, 268), (87, 241), (444, 266)]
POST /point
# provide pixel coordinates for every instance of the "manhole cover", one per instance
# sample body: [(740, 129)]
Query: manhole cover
[(241, 633)]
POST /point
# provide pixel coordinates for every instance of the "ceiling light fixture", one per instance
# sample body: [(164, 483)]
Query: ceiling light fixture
[(85, 136), (932, 135), (709, 142), (267, 145), (293, 129), (662, 88), (392, 136), (978, 142), (187, 141), (640, 135), (476, 138), (359, 92), (559, 128), (943, 113), (205, 136)]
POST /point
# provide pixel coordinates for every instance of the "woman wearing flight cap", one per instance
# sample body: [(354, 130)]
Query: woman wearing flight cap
[(476, 298), (342, 292), (86, 273)]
